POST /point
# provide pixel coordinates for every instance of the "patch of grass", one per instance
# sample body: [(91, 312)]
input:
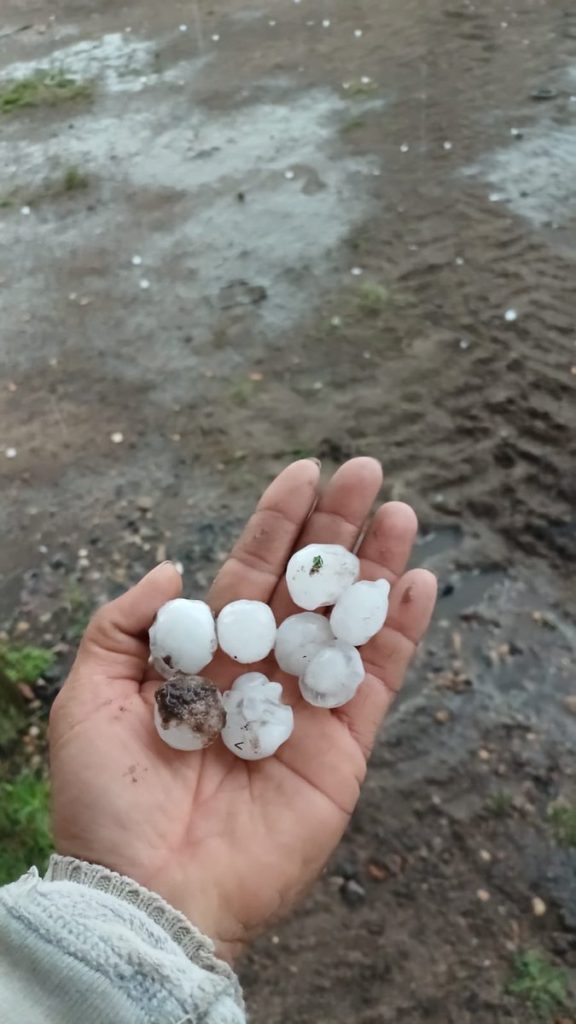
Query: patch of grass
[(74, 180), (353, 125), (79, 607), (24, 664), (242, 391), (563, 821), (44, 89), (372, 298), (25, 837), (539, 984), (499, 804)]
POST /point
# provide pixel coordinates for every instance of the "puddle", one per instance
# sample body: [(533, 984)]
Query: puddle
[(466, 590), (436, 541)]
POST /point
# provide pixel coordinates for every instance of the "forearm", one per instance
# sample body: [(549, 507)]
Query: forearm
[(86, 944)]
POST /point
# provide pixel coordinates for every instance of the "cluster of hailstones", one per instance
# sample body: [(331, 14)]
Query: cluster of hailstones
[(190, 712)]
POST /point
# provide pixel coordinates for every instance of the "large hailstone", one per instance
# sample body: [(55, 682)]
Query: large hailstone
[(298, 639), (246, 630), (257, 722), (182, 637), (333, 675), (318, 574), (361, 611), (188, 712)]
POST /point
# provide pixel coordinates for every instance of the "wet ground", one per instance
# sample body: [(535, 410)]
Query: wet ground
[(322, 228)]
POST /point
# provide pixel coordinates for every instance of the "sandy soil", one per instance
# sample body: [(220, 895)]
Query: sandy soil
[(197, 297)]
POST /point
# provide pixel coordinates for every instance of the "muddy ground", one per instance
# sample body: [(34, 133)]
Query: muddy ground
[(327, 228)]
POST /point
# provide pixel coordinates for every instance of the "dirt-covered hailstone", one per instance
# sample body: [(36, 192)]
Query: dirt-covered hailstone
[(188, 712)]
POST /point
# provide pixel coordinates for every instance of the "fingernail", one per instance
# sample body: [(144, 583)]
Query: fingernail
[(317, 461)]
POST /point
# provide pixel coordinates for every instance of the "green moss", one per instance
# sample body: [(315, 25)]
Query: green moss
[(540, 985), (25, 836), (563, 821), (46, 88), (372, 297)]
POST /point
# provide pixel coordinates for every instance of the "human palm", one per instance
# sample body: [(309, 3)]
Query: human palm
[(232, 843)]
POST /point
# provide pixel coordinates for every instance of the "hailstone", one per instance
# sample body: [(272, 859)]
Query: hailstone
[(360, 612), (298, 639), (246, 630), (182, 637), (333, 675), (188, 712), (318, 574), (257, 722)]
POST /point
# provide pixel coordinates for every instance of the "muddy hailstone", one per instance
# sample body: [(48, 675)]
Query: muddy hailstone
[(257, 722), (318, 574), (246, 630), (361, 611), (189, 713), (182, 637), (299, 638), (333, 676)]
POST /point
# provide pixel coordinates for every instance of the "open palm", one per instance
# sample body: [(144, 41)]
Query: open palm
[(232, 843)]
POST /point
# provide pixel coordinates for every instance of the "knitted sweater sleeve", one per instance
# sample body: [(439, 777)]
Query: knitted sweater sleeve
[(84, 945)]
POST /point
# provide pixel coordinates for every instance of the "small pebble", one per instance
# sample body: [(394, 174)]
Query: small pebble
[(510, 316), (183, 28), (358, 33), (483, 895), (144, 284), (25, 211), (336, 321), (365, 80), (464, 343), (215, 38), (353, 893), (272, 24), (289, 175), (117, 437), (136, 261), (356, 271), (326, 23), (10, 453), (459, 261), (447, 145), (539, 908), (404, 148), (485, 856)]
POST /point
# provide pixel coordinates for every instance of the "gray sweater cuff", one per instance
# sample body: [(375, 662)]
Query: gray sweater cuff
[(196, 946)]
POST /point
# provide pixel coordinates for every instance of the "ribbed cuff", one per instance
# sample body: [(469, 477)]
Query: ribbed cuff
[(197, 947)]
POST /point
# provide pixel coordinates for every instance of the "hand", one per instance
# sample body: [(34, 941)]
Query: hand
[(232, 843)]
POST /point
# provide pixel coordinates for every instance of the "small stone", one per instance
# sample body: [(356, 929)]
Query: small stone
[(485, 856), (272, 23), (25, 211), (34, 731), (539, 908), (144, 284), (117, 437), (442, 716), (483, 895), (404, 148), (21, 628), (353, 893), (336, 321), (570, 704), (358, 33), (183, 28), (484, 755), (289, 175), (510, 316), (10, 453), (356, 271), (377, 873), (447, 145), (136, 261), (215, 38), (145, 502), (326, 23), (365, 80)]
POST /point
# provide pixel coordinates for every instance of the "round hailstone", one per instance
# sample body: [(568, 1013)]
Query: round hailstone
[(189, 713), (361, 611), (182, 637), (257, 722), (333, 676), (298, 639), (318, 574), (246, 630)]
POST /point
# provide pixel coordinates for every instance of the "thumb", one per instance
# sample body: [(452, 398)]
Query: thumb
[(116, 636)]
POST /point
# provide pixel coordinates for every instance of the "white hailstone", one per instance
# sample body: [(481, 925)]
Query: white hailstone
[(319, 573), (188, 712), (510, 316), (333, 676), (361, 611), (246, 630), (182, 637), (257, 722), (298, 639)]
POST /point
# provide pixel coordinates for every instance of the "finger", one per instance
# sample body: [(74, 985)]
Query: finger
[(116, 637), (338, 517), (386, 548), (387, 656), (258, 559)]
